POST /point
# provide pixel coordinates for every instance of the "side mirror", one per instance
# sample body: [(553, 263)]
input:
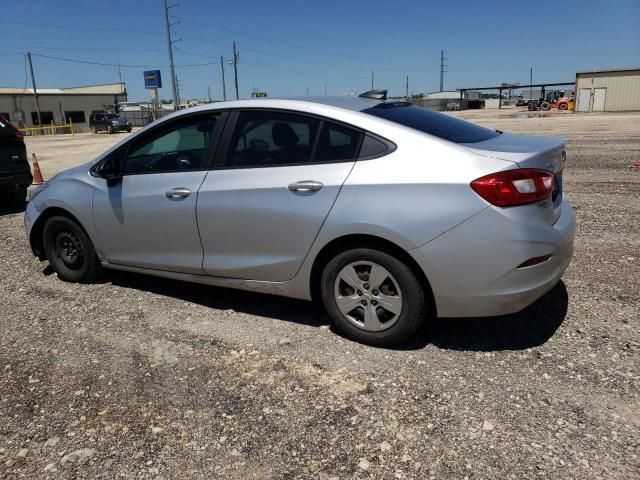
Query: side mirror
[(110, 171)]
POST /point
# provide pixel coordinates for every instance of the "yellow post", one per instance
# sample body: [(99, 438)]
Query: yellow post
[(71, 126), (53, 129)]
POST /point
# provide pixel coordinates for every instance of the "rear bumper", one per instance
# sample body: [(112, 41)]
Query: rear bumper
[(14, 181), (473, 269), (115, 128)]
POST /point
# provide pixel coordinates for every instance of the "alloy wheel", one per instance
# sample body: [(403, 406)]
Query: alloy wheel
[(368, 296)]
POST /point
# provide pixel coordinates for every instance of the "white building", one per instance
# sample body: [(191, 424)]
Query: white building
[(613, 90), (448, 94), (59, 105)]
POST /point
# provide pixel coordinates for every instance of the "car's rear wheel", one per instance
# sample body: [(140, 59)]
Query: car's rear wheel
[(373, 297), (70, 251)]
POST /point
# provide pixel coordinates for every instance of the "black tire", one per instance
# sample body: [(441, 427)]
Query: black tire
[(70, 251), (414, 305), (129, 130), (563, 106)]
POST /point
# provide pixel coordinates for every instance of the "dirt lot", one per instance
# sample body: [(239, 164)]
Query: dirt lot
[(149, 378)]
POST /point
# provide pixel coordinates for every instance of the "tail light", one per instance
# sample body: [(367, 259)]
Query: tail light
[(515, 187), (11, 133)]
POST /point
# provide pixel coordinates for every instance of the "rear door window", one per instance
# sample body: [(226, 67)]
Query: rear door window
[(270, 138), (428, 121), (337, 143)]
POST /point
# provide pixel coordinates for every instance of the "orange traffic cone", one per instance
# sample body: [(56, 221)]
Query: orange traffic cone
[(37, 174)]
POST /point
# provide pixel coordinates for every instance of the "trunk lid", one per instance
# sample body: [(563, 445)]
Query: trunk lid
[(546, 153)]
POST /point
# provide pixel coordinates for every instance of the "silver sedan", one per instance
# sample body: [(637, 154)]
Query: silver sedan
[(388, 213)]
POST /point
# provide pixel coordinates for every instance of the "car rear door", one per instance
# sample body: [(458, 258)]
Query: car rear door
[(148, 219), (272, 186)]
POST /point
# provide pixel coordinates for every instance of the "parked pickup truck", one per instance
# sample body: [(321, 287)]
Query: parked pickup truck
[(108, 122), (15, 172)]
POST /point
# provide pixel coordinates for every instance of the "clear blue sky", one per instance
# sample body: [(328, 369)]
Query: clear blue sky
[(288, 46)]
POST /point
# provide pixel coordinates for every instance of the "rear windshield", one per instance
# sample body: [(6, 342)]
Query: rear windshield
[(433, 123)]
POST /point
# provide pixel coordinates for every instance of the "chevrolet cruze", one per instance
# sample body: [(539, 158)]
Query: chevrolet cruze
[(387, 213)]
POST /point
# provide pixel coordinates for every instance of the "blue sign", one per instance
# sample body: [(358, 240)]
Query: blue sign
[(152, 79)]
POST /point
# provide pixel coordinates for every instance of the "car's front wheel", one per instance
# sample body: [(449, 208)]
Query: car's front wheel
[(373, 297), (70, 251)]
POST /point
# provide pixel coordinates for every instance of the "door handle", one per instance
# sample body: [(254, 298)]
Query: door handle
[(305, 186), (179, 192)]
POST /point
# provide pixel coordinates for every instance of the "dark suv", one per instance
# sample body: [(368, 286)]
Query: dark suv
[(109, 122), (15, 172)]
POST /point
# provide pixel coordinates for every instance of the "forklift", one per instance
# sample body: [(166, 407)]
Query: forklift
[(552, 99)]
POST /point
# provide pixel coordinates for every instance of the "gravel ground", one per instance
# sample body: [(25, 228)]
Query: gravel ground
[(140, 377)]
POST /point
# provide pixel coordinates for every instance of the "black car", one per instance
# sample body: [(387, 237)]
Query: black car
[(108, 122), (15, 172)]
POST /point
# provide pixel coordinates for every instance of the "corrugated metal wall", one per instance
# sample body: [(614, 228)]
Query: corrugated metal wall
[(623, 90)]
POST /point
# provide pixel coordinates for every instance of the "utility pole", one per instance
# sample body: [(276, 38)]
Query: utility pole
[(442, 70), (530, 83), (325, 88), (209, 93), (371, 79), (177, 92), (35, 91), (119, 72), (236, 57), (407, 88), (224, 84), (170, 45)]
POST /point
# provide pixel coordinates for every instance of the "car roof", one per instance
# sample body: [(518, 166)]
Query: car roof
[(356, 104), (349, 102)]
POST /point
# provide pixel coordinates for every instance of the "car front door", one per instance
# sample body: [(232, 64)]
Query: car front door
[(148, 218), (272, 187)]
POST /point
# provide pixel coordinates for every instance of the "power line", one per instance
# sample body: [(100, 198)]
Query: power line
[(270, 54), (279, 42), (114, 50), (104, 64), (77, 5), (77, 27)]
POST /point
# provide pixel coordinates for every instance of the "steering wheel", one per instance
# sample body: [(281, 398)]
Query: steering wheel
[(185, 160)]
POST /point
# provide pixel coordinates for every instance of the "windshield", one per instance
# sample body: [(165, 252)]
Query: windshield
[(434, 123), (111, 116)]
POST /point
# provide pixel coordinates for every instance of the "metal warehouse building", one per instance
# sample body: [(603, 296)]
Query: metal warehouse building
[(59, 105), (614, 90)]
